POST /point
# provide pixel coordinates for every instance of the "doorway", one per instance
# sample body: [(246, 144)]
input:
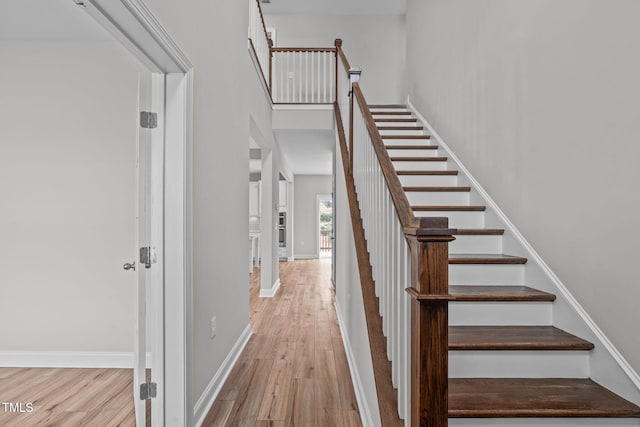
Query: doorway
[(78, 232), (325, 225)]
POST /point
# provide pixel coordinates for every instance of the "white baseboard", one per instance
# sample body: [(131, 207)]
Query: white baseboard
[(363, 404), (270, 293), (204, 403), (533, 255), (66, 359)]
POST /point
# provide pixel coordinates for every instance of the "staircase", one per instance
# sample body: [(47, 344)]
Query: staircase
[(506, 358)]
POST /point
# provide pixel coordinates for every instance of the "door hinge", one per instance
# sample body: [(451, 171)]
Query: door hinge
[(146, 256), (148, 120), (148, 391)]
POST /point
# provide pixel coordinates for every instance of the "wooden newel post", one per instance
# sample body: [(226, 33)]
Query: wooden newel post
[(429, 292)]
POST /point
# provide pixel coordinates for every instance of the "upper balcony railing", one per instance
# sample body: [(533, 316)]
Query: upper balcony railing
[(294, 75)]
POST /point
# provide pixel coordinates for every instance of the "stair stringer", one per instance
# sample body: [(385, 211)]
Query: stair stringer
[(607, 366)]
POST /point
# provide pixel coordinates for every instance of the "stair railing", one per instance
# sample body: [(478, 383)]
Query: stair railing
[(259, 40), (406, 253), (303, 75)]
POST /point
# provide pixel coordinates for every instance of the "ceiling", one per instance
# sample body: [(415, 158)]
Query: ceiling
[(336, 7), (307, 152), (48, 20)]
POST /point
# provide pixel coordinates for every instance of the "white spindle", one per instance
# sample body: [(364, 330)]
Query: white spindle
[(389, 253)]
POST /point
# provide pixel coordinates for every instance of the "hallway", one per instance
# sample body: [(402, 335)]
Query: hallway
[(294, 370)]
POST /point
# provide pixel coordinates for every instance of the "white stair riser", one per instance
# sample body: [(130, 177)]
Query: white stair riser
[(470, 244), (491, 313), (412, 142), (486, 274), (386, 123), (384, 109), (377, 115), (420, 166), (457, 219), (428, 180), (518, 364), (384, 132), (438, 197), (414, 153), (546, 422)]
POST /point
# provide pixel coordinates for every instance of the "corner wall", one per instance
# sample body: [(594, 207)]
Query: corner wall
[(541, 102), (213, 35)]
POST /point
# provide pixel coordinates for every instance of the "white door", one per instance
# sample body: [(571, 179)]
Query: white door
[(148, 348)]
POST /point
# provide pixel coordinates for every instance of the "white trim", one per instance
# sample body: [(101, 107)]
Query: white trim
[(204, 403), (136, 28), (363, 404), (575, 305), (270, 293), (67, 359)]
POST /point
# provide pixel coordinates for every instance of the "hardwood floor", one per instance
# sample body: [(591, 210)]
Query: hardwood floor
[(294, 370), (67, 397)]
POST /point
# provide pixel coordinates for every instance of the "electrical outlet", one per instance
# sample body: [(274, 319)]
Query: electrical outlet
[(214, 327)]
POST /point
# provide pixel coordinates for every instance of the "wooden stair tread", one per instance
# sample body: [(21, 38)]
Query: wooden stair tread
[(405, 136), (458, 189), (401, 120), (419, 159), (411, 147), (391, 113), (448, 172), (485, 259), (400, 128), (535, 397), (477, 208), (498, 293), (479, 232), (514, 338)]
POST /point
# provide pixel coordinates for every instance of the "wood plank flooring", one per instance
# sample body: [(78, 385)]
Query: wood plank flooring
[(68, 397), (294, 370)]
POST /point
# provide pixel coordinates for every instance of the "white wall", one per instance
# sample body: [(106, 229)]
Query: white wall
[(305, 221), (376, 43), (214, 33), (67, 181), (541, 101)]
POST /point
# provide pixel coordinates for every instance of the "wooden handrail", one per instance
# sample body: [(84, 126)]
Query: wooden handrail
[(343, 57), (264, 26), (400, 201), (303, 49)]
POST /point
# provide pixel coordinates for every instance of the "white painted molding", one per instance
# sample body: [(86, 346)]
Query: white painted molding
[(532, 254), (67, 359), (363, 404), (146, 18), (204, 403), (270, 293)]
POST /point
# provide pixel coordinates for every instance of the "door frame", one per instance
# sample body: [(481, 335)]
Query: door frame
[(137, 29), (319, 197)]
